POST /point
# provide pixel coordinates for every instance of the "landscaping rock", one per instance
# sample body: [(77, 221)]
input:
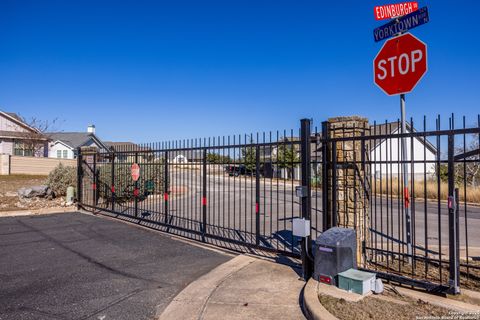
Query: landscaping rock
[(35, 191)]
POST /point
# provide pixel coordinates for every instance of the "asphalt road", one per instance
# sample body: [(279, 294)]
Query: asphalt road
[(231, 205), (78, 266), (231, 213)]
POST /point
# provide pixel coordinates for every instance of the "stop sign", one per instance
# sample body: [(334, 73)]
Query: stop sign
[(135, 172), (400, 64)]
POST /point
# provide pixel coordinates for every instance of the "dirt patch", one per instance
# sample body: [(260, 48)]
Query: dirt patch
[(389, 305), (9, 200), (431, 271)]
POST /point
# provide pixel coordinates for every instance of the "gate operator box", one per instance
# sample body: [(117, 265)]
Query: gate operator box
[(335, 252)]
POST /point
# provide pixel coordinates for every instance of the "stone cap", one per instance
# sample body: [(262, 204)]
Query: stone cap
[(348, 119)]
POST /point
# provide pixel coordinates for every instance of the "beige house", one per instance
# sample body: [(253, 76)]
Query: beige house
[(17, 138)]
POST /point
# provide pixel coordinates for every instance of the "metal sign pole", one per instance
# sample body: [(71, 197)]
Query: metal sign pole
[(406, 195)]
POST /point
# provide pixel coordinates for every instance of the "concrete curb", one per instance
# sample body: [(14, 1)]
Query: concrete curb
[(191, 301), (37, 211), (313, 307)]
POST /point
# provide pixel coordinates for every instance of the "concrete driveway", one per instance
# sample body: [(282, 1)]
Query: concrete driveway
[(78, 266)]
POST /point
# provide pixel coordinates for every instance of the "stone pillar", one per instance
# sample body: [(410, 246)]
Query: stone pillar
[(4, 164), (352, 201)]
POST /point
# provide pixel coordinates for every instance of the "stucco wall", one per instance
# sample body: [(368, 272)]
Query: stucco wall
[(32, 165)]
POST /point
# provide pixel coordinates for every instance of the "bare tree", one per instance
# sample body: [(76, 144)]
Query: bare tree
[(34, 142), (473, 166)]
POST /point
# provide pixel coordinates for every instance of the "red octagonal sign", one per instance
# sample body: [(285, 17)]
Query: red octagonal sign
[(135, 171), (400, 64)]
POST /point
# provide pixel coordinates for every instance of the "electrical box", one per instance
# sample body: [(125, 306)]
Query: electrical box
[(301, 227), (356, 281), (301, 191), (335, 252)]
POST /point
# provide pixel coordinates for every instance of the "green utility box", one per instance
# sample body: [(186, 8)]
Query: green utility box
[(356, 281)]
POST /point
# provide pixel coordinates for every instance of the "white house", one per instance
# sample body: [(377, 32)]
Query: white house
[(385, 154), (64, 144)]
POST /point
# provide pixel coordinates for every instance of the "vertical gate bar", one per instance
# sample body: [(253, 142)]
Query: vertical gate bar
[(204, 194), (112, 186), (326, 221), (94, 189), (439, 208), (165, 187), (334, 184), (412, 197), (79, 178), (365, 194), (465, 198), (257, 194), (457, 239), (306, 200), (452, 236), (136, 189), (425, 206)]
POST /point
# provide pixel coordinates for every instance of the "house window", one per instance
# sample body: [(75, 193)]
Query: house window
[(22, 149), (59, 153), (65, 154)]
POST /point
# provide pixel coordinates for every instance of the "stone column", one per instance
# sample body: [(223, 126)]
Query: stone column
[(353, 194)]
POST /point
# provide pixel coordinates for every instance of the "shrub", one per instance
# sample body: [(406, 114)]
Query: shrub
[(150, 181), (61, 178)]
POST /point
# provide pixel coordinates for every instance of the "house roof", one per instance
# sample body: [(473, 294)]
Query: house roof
[(75, 139), (22, 135), (392, 127), (18, 120), (124, 146), (15, 116)]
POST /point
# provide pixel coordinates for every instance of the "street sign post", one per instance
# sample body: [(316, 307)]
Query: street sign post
[(135, 172), (389, 11), (401, 24), (397, 68)]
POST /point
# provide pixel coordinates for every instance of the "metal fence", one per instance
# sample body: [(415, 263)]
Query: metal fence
[(239, 192)]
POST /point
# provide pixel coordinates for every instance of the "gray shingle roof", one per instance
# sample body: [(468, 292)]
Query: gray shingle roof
[(72, 139)]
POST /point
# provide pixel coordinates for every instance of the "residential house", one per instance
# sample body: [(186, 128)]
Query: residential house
[(128, 151), (385, 154), (17, 138), (64, 144)]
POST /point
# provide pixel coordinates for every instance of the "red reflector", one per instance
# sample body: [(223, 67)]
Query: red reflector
[(257, 208), (113, 189), (135, 192), (204, 201), (326, 279), (94, 186), (407, 197), (165, 196)]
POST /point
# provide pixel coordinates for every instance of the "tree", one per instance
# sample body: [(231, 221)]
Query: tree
[(35, 141), (218, 158), (249, 158), (472, 167), (287, 158)]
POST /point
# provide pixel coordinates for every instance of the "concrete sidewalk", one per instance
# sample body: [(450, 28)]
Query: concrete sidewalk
[(242, 288)]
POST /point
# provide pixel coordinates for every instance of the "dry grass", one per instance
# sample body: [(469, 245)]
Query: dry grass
[(394, 188), (388, 305), (469, 277)]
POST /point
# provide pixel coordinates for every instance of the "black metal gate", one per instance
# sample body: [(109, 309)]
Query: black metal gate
[(236, 191), (437, 249), (239, 192)]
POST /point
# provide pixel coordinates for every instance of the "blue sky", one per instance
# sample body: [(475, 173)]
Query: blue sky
[(158, 70)]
